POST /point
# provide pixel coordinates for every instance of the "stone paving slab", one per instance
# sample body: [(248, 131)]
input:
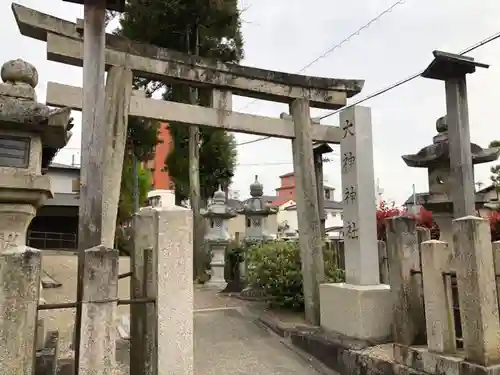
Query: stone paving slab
[(229, 343), (241, 347)]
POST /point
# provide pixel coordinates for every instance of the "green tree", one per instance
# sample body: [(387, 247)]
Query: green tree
[(495, 170), (210, 28), (213, 25)]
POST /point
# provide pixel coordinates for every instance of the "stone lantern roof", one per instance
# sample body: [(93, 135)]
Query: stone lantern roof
[(218, 208), (436, 158), (257, 205), (20, 111), (439, 150)]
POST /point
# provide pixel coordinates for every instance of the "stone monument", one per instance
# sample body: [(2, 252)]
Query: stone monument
[(30, 135), (217, 237), (436, 158), (362, 298)]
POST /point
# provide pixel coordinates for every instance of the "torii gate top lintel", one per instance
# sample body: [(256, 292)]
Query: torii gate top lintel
[(64, 44)]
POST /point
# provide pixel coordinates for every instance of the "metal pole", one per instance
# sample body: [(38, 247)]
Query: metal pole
[(92, 146)]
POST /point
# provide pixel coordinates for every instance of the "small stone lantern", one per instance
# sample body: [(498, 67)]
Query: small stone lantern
[(217, 238), (436, 158), (256, 211)]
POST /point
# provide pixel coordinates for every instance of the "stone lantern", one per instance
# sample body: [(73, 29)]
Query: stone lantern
[(436, 158), (30, 135), (256, 211), (217, 237)]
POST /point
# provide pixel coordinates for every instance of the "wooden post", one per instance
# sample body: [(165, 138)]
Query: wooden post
[(311, 244), (93, 145), (436, 259), (478, 298), (403, 253)]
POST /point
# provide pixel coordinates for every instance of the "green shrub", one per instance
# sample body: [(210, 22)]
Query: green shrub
[(276, 268), (234, 256)]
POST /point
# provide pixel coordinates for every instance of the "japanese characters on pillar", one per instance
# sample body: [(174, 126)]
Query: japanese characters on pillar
[(358, 197)]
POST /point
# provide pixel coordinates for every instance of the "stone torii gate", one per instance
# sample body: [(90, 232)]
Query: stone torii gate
[(125, 59)]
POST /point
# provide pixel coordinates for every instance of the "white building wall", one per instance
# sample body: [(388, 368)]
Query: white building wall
[(61, 181)]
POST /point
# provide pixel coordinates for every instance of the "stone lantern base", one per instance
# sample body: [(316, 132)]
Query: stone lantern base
[(218, 250)]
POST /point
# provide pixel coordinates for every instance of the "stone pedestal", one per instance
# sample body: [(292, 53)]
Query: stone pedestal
[(357, 311), (218, 250), (20, 268)]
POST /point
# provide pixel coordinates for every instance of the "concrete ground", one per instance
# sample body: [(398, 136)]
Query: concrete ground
[(227, 342)]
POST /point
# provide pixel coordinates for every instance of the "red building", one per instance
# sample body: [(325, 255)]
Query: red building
[(161, 179), (286, 191)]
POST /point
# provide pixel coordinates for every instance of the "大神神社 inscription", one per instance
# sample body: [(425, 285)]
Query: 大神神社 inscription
[(358, 197)]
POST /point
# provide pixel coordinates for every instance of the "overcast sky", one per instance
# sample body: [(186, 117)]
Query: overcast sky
[(288, 34)]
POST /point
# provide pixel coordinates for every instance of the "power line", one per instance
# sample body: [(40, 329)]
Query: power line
[(475, 46), (412, 77), (338, 45), (326, 53)]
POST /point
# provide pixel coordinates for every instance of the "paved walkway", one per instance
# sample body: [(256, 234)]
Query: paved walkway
[(226, 341)]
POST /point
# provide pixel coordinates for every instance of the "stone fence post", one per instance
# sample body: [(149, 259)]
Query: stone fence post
[(174, 300), (150, 326), (404, 262), (478, 298), (383, 262), (436, 259), (143, 238), (99, 304), (20, 268)]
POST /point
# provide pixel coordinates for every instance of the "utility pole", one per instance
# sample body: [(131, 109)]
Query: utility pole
[(194, 169)]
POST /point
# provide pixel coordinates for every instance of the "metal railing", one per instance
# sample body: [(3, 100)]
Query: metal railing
[(52, 240)]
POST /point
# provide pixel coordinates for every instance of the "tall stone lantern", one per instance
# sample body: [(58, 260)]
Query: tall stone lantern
[(436, 158), (217, 237), (30, 135), (256, 211)]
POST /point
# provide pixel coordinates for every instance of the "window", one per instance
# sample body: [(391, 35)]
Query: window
[(327, 194), (75, 186)]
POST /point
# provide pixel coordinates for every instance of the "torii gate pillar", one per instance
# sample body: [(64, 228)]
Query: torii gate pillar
[(93, 141)]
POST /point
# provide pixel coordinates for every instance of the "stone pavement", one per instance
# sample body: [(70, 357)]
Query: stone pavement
[(227, 341)]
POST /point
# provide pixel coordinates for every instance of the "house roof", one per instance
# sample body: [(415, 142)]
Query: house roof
[(487, 189), (63, 166), (288, 174), (329, 205), (278, 201)]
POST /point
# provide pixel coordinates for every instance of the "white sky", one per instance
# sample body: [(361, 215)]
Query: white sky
[(287, 34)]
